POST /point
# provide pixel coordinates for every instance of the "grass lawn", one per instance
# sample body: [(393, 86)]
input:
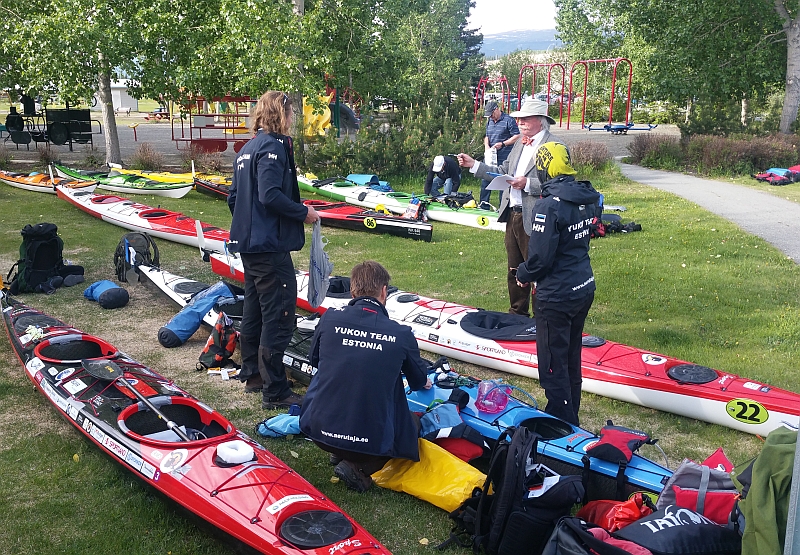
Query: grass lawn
[(690, 285)]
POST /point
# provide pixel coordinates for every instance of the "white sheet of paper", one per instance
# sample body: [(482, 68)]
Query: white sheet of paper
[(500, 183)]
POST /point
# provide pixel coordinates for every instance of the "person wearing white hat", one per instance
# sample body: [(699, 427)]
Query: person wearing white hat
[(516, 207), (501, 134), (443, 171)]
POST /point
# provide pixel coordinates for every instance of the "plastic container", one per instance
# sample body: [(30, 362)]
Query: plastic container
[(492, 396)]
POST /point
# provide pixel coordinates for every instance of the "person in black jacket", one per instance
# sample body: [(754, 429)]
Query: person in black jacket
[(356, 407), (558, 264), (443, 171), (267, 225)]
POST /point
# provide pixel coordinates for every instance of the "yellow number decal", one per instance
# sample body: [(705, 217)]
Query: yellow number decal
[(747, 411), (370, 223), (483, 221)]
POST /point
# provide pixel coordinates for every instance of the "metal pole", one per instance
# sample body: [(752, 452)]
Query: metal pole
[(792, 545)]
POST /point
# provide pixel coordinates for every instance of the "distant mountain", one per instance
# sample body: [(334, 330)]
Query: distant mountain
[(501, 44)]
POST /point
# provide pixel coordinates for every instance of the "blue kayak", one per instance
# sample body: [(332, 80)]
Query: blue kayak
[(562, 446)]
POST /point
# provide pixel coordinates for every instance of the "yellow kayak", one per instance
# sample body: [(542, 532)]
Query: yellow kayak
[(170, 177)]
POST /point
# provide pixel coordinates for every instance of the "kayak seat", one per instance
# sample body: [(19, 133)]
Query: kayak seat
[(548, 428), (499, 325), (145, 422), (339, 288), (73, 349)]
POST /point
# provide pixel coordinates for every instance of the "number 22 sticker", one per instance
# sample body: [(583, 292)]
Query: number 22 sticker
[(747, 411)]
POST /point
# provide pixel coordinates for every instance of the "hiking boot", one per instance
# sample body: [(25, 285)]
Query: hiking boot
[(285, 403), (352, 477), (334, 459), (253, 384)]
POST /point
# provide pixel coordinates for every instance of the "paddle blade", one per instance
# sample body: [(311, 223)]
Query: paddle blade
[(102, 369)]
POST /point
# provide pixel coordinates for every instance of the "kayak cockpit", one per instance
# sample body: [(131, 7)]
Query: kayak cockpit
[(198, 421)]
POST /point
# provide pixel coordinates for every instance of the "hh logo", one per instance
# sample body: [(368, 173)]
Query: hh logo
[(272, 156)]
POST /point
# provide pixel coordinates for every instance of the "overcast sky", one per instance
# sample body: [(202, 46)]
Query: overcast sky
[(498, 16)]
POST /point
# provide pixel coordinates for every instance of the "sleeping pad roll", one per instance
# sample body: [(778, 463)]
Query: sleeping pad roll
[(188, 320)]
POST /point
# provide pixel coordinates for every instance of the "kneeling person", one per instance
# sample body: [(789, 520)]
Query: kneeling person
[(356, 407)]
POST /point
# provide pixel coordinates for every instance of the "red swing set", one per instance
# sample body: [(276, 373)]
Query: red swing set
[(568, 98)]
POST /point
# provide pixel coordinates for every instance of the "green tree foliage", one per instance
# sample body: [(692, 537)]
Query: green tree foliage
[(174, 49), (686, 50)]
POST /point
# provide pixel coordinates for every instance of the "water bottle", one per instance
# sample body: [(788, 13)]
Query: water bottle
[(492, 396)]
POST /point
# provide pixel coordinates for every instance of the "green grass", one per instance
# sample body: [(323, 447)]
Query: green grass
[(690, 285)]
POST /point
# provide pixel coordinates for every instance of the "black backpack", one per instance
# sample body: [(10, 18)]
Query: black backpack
[(40, 258), (526, 503), (456, 200), (146, 252)]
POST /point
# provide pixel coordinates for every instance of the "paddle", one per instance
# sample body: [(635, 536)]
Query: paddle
[(130, 257), (52, 180), (104, 369)]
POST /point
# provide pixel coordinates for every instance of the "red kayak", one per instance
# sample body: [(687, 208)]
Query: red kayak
[(158, 222), (508, 343), (347, 216), (175, 443)]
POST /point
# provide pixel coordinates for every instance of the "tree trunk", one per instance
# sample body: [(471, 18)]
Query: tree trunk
[(745, 110), (109, 120), (791, 99)]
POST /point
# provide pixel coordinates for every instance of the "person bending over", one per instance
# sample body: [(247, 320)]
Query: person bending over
[(443, 171), (558, 264), (356, 407)]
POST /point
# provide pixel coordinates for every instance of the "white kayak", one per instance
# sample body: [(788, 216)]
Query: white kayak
[(508, 343), (397, 202)]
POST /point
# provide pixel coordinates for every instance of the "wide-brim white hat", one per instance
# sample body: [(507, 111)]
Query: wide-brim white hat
[(533, 107)]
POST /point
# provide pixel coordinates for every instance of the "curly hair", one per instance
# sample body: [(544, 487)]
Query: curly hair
[(271, 113)]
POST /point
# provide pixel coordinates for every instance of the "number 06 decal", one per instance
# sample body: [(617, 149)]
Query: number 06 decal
[(483, 221), (370, 223), (747, 411)]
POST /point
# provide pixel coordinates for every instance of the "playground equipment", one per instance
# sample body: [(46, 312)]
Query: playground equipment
[(480, 93), (585, 64), (550, 68), (210, 125)]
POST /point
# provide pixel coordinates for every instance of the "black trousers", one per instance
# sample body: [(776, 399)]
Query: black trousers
[(559, 328), (268, 319)]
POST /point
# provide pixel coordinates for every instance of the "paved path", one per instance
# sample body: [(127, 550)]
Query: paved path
[(775, 220)]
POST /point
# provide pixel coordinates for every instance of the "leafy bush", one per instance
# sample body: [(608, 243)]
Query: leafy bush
[(45, 156), (656, 151), (713, 118), (92, 158), (589, 155), (206, 162), (5, 157), (147, 158), (715, 155), (403, 142)]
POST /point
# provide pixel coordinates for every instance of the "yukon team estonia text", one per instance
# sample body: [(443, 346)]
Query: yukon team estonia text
[(375, 337)]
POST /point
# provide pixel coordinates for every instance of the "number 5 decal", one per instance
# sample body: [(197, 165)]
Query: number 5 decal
[(747, 411), (483, 221)]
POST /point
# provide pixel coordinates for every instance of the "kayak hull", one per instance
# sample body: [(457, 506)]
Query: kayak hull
[(347, 216), (563, 445), (158, 222), (216, 189), (220, 474), (127, 183), (42, 183), (397, 202), (609, 369)]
